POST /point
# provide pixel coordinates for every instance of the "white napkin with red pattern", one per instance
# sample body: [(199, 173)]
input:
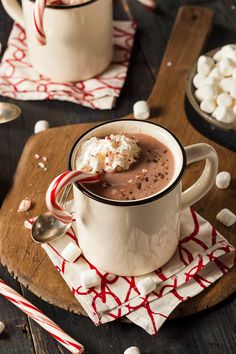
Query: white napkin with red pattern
[(202, 257), (19, 80)]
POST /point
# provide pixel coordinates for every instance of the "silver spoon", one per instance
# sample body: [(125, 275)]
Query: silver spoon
[(8, 112), (47, 227)]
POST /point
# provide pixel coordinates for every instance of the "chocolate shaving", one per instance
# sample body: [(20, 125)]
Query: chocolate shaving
[(161, 175), (139, 185)]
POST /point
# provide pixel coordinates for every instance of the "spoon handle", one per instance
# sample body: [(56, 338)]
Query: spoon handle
[(33, 312)]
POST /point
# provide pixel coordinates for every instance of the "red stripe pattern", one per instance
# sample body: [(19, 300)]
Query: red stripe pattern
[(39, 8), (61, 182), (19, 80), (45, 322), (202, 257)]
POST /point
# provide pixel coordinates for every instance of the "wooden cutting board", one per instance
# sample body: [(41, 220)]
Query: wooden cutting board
[(27, 261)]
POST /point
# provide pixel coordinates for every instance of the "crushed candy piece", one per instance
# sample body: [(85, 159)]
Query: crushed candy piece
[(25, 205), (37, 156)]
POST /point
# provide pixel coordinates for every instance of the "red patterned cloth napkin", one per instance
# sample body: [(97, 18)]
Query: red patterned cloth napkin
[(202, 256), (19, 80)]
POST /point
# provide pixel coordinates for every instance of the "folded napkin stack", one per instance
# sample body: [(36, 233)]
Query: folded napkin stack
[(202, 257)]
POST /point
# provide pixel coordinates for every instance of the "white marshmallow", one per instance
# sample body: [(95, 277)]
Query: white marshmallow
[(2, 327), (226, 84), (218, 55), (223, 180), (200, 80), (228, 52), (146, 286), (40, 126), (234, 74), (223, 114), (141, 110), (233, 90), (234, 109), (224, 100), (132, 350), (89, 278), (208, 106), (206, 92), (71, 252), (215, 73), (226, 66), (203, 68), (226, 217)]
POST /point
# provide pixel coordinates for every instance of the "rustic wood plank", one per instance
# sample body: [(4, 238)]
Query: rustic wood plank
[(17, 333)]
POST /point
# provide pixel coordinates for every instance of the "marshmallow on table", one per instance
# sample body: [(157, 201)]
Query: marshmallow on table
[(89, 278), (208, 106), (146, 286), (223, 180), (132, 350), (40, 126), (71, 252), (223, 114), (141, 110), (224, 100), (226, 217), (2, 327)]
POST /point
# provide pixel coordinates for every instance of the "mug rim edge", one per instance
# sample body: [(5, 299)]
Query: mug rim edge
[(126, 203), (62, 7)]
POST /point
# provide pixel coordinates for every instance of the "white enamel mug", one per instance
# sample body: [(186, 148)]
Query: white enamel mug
[(78, 38), (134, 237)]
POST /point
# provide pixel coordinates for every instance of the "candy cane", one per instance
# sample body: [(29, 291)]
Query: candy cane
[(39, 8), (33, 312), (58, 184)]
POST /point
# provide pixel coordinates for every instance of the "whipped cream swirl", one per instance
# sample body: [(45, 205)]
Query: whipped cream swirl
[(110, 154)]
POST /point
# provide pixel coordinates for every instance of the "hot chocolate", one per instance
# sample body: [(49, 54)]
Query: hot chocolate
[(150, 172)]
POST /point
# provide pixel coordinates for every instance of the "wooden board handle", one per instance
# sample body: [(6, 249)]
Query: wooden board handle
[(188, 36)]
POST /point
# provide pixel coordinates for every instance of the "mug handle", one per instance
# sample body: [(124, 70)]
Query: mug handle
[(204, 183), (59, 183), (14, 10)]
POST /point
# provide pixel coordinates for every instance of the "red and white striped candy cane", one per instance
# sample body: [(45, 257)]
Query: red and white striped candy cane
[(33, 312), (58, 184), (39, 8)]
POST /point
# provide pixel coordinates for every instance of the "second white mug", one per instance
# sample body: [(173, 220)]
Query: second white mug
[(78, 38)]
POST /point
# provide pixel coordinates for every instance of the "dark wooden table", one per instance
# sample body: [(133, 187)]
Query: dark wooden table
[(211, 331)]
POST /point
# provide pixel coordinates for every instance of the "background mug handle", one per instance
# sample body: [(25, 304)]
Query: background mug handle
[(14, 10), (194, 153), (59, 183)]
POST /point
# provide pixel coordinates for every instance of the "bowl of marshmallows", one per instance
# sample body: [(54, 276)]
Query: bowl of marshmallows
[(211, 87)]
